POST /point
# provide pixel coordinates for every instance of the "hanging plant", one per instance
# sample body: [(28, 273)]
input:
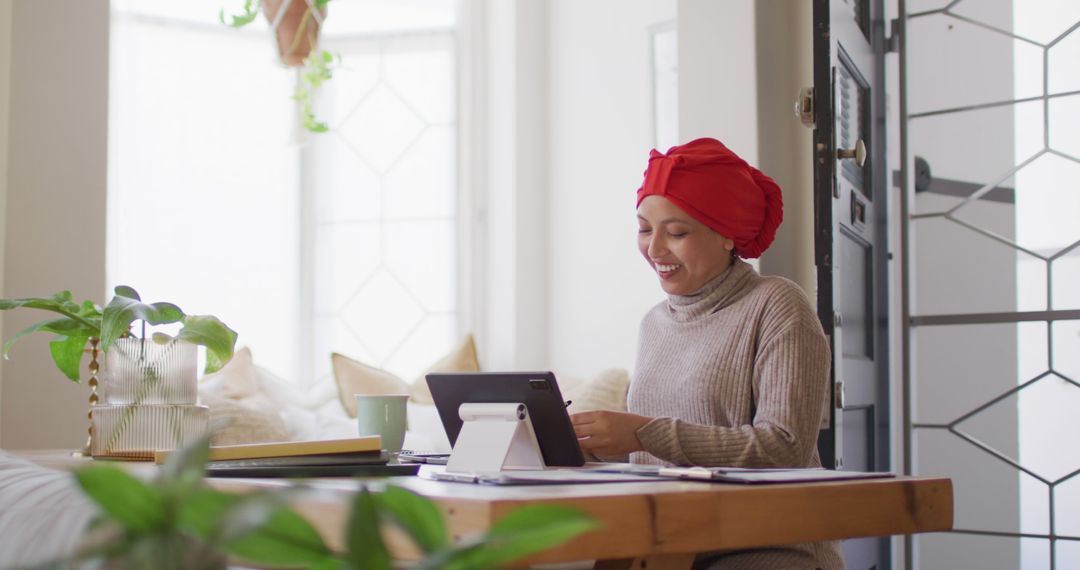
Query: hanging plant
[(296, 25), (318, 69)]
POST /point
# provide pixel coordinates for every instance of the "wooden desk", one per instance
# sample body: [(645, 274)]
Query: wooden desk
[(665, 523), (661, 523)]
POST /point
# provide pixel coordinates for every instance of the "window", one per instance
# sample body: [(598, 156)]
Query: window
[(305, 244), (384, 222)]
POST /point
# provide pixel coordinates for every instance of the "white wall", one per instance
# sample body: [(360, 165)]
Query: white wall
[(718, 94), (514, 324), (601, 131), (55, 218), (785, 60), (5, 91)]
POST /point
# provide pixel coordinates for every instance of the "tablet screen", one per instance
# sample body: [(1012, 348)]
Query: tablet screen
[(537, 390)]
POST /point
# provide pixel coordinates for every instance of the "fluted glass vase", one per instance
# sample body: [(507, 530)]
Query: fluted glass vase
[(148, 400)]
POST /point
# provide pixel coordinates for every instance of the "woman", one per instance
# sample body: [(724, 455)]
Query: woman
[(732, 368)]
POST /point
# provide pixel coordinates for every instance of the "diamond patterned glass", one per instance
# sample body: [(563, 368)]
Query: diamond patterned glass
[(951, 378), (1069, 494), (1062, 137), (972, 471), (349, 187), (1066, 348), (369, 17), (385, 228), (954, 261), (420, 254), (1062, 60), (962, 63), (1048, 204), (346, 257), (421, 184), (381, 128), (382, 314)]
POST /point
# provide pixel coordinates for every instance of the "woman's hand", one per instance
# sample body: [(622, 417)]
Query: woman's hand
[(608, 433)]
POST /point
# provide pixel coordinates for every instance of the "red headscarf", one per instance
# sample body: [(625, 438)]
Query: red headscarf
[(717, 188)]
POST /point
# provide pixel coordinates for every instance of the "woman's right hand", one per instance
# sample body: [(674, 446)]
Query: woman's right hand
[(608, 434)]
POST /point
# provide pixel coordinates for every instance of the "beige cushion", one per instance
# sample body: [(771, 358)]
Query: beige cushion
[(354, 377), (461, 359), (605, 391)]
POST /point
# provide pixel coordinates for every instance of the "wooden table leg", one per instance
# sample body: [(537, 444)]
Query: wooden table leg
[(659, 562)]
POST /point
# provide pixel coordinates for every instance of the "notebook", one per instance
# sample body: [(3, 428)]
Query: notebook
[(358, 464), (310, 471), (287, 449)]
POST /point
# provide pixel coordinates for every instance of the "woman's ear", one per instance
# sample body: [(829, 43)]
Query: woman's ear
[(729, 244)]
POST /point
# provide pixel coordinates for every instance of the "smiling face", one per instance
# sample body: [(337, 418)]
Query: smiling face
[(685, 253)]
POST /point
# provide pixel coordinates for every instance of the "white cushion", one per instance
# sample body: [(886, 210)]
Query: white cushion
[(238, 412), (303, 414), (43, 513)]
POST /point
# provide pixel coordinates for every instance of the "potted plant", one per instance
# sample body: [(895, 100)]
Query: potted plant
[(150, 382), (296, 25), (87, 324), (176, 521)]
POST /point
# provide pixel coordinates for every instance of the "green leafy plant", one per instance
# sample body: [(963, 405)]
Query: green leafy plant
[(318, 69), (318, 65), (247, 16), (79, 323), (176, 521)]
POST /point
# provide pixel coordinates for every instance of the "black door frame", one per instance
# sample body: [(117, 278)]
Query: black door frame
[(826, 192)]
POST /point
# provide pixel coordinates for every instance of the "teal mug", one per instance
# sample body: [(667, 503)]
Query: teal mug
[(383, 415)]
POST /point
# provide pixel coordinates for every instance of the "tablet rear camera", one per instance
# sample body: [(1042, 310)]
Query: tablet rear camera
[(539, 384)]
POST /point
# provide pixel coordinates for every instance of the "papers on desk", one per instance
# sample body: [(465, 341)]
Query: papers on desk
[(551, 476), (350, 457), (625, 472), (739, 475)]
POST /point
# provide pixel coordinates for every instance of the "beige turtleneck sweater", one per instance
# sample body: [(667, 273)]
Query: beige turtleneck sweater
[(735, 375)]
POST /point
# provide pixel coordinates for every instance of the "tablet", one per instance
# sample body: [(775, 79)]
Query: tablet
[(537, 390)]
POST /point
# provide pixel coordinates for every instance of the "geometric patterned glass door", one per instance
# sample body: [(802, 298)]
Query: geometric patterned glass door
[(990, 109)]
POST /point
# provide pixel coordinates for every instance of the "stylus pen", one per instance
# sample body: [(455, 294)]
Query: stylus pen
[(568, 402), (686, 472)]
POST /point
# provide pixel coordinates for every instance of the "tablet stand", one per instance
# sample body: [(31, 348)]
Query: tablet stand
[(495, 437)]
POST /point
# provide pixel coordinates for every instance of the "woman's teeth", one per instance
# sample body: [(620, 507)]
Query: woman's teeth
[(666, 268)]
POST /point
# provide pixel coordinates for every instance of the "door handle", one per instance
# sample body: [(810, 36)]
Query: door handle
[(804, 107), (858, 153)]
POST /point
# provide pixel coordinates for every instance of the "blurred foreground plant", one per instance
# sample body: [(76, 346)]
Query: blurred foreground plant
[(176, 521)]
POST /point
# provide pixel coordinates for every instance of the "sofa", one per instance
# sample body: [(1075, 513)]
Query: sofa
[(249, 404)]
